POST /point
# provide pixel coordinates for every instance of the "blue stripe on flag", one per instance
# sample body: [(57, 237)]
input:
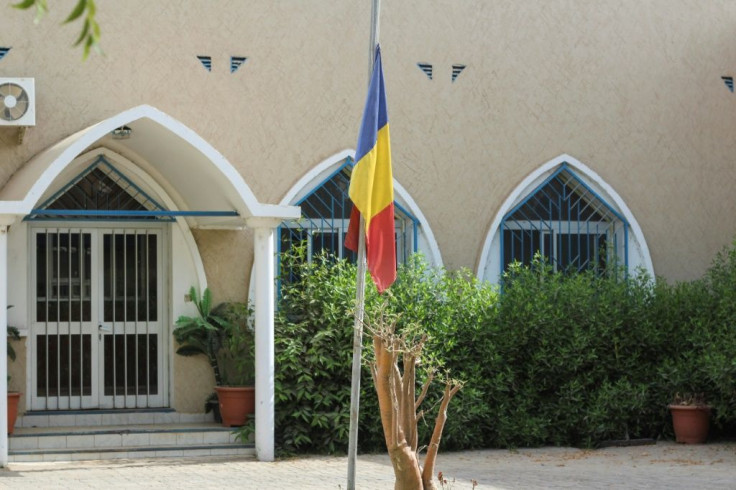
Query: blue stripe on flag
[(376, 115)]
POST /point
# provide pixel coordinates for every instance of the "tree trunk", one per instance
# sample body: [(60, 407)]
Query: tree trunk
[(398, 404), (406, 468)]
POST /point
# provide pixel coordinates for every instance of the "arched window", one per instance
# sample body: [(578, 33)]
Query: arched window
[(326, 215), (100, 192), (568, 224), (570, 216)]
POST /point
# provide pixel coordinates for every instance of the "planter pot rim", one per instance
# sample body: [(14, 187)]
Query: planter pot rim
[(689, 407)]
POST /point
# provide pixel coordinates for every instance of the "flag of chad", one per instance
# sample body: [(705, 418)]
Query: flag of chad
[(371, 186)]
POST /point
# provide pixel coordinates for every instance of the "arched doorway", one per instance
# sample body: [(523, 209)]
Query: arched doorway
[(79, 249), (98, 325)]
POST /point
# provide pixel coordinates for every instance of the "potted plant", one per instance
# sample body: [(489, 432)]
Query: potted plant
[(223, 336), (690, 418), (13, 396), (236, 394), (203, 334)]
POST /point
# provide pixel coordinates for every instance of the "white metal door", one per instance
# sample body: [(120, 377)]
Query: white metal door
[(97, 332), (130, 323)]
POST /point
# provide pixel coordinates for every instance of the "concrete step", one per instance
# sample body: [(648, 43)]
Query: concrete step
[(97, 418), (53, 436), (38, 455)]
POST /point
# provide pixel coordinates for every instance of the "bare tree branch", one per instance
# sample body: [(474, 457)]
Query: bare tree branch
[(398, 403), (425, 388), (451, 387)]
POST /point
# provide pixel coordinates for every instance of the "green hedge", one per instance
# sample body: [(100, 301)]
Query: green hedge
[(555, 359)]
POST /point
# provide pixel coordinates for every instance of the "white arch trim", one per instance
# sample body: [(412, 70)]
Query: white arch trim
[(148, 184), (318, 173), (28, 185), (488, 268), (160, 134)]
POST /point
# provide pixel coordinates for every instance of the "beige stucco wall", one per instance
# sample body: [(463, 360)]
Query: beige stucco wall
[(631, 89), (227, 258)]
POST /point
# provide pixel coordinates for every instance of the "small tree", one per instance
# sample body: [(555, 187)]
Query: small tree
[(399, 403)]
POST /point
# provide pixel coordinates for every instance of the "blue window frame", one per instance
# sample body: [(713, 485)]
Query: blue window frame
[(569, 224), (326, 215), (102, 193)]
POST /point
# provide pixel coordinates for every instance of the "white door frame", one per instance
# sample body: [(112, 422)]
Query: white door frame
[(98, 399)]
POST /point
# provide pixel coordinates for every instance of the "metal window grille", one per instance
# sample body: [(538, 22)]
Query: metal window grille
[(67, 338), (568, 224), (100, 187), (325, 218)]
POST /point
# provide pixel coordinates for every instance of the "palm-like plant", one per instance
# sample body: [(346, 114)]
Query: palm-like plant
[(204, 334), (13, 334)]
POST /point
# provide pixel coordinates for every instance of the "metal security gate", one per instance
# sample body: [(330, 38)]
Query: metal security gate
[(97, 329)]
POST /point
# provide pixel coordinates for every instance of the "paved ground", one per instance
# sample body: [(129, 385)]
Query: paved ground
[(664, 465)]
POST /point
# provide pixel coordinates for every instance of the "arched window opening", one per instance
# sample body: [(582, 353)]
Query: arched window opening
[(101, 192), (326, 215), (568, 224)]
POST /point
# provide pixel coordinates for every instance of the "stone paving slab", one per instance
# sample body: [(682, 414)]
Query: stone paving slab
[(664, 465)]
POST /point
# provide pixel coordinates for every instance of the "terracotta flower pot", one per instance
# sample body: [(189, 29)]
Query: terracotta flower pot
[(13, 399), (235, 404), (691, 423)]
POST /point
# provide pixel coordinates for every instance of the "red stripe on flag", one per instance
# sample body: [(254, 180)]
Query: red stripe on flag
[(352, 236), (380, 247)]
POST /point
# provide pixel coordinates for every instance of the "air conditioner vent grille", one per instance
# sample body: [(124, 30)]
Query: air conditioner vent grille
[(17, 102)]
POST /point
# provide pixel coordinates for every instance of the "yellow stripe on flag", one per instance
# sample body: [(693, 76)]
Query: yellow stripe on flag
[(371, 184)]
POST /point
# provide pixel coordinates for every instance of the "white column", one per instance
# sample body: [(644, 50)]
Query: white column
[(264, 264), (3, 345)]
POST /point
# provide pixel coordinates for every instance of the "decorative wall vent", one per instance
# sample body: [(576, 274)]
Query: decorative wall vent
[(206, 62), (729, 82), (236, 62), (426, 68), (456, 69), (3, 52)]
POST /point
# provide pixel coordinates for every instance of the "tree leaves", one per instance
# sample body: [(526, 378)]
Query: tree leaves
[(89, 36), (560, 359)]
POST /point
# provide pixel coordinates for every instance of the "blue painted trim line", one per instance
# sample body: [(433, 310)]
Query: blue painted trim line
[(549, 199), (96, 212), (43, 214), (414, 224), (101, 160), (564, 167), (101, 219), (348, 163)]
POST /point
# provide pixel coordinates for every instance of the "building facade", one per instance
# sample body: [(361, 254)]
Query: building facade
[(595, 133)]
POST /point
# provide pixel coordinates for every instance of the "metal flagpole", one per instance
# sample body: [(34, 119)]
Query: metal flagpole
[(360, 294)]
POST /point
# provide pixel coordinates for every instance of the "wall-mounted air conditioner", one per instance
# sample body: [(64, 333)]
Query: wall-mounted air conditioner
[(17, 102)]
